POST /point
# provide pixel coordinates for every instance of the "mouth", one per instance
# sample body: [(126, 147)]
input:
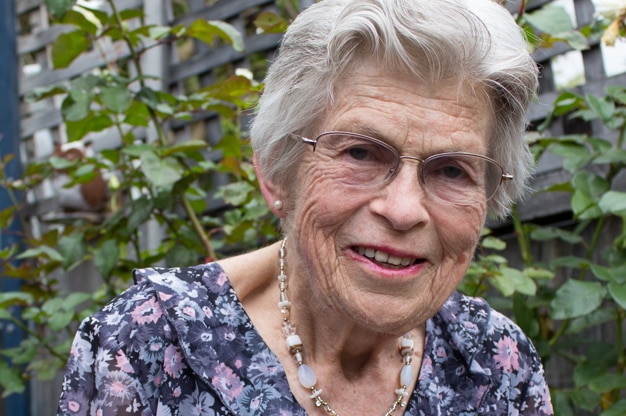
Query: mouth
[(385, 259)]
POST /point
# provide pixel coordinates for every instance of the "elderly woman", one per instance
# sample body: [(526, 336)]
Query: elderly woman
[(387, 131)]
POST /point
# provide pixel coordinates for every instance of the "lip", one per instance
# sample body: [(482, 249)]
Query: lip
[(415, 264)]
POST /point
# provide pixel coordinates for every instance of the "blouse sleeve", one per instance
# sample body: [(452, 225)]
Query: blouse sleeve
[(98, 377)]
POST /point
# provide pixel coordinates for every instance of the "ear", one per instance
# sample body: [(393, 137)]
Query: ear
[(271, 192)]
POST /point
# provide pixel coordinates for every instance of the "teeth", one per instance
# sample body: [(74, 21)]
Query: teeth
[(382, 257)]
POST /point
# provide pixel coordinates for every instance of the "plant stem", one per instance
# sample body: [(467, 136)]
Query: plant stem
[(39, 339), (522, 237), (197, 226)]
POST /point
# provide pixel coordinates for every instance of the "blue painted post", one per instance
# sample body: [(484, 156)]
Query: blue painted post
[(16, 404)]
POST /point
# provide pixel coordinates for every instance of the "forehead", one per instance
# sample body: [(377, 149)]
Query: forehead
[(412, 117)]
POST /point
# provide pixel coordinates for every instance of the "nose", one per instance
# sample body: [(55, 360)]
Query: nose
[(401, 203)]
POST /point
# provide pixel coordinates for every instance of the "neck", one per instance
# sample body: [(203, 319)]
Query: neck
[(371, 366)]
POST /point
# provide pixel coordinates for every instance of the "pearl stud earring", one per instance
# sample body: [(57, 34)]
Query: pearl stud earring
[(278, 204)]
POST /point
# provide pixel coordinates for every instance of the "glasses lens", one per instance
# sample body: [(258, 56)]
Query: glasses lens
[(462, 179), (354, 160)]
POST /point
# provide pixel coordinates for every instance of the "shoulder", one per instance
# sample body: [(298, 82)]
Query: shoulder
[(500, 359), (472, 325)]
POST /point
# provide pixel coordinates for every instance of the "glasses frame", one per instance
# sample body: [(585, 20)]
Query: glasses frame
[(313, 142)]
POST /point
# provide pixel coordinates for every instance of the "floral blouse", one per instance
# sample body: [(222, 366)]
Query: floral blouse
[(179, 343)]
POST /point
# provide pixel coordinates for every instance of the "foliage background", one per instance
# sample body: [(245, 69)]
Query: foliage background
[(563, 301)]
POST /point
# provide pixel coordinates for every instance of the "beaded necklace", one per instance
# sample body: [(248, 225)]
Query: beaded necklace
[(307, 376)]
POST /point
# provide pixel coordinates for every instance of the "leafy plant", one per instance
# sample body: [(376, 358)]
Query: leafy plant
[(166, 182), (563, 301)]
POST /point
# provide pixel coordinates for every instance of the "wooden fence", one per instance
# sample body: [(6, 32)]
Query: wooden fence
[(41, 127)]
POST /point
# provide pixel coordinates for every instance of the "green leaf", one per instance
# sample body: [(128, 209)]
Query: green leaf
[(15, 298), (74, 299), (73, 248), (137, 115), (137, 150), (593, 319), (538, 273), (618, 409), (159, 32), (574, 39), (105, 257), (161, 172), (550, 19), (523, 284), (608, 382), (566, 102), (60, 320), (551, 233), (618, 293), (141, 209), (76, 130), (571, 262), (617, 92), (562, 403), (76, 106), (604, 273), (575, 155), (586, 372), (43, 251), (236, 193), (525, 316), (179, 255), (586, 399), (116, 98), (84, 19), (10, 379), (577, 298), (184, 146), (67, 47), (6, 216), (613, 202), (493, 243), (611, 155), (58, 8), (206, 31), (589, 188), (505, 285), (604, 108), (270, 22)]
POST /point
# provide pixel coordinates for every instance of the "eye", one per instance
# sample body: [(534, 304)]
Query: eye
[(449, 169), (359, 153), (452, 172)]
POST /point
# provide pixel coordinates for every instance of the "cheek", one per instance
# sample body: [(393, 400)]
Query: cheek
[(321, 205), (460, 231)]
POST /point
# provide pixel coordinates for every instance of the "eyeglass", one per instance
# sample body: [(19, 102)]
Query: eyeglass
[(363, 162)]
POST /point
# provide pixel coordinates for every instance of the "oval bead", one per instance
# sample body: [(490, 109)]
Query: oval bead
[(406, 375), (306, 376)]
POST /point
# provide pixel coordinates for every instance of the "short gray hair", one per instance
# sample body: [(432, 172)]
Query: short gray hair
[(476, 42)]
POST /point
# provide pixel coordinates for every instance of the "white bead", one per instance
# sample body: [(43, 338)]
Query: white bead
[(293, 341), (402, 393), (406, 375), (306, 376), (407, 342)]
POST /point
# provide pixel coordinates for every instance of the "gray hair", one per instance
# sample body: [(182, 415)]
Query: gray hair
[(472, 42)]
